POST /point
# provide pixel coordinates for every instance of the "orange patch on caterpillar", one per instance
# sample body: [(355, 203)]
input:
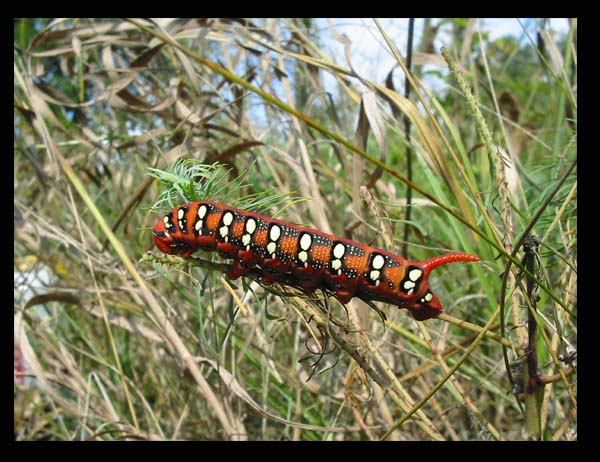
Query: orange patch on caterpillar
[(320, 253), (355, 262), (394, 274), (212, 220), (288, 244), (238, 229), (260, 237)]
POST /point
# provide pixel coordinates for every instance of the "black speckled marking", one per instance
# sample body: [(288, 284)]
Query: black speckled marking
[(237, 218), (286, 231)]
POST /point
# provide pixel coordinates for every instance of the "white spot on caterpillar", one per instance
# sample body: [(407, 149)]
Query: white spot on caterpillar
[(428, 297), (180, 213), (167, 234), (409, 285), (275, 232), (202, 211), (246, 238), (303, 256), (271, 247), (166, 220), (415, 274), (339, 272), (250, 225), (339, 250), (223, 231), (336, 264), (305, 241), (410, 292), (378, 262), (198, 225), (377, 282), (228, 218), (374, 275)]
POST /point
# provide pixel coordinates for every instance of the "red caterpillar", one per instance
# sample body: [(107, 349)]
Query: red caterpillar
[(312, 258)]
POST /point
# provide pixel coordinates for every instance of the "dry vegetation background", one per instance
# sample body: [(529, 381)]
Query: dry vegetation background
[(113, 343)]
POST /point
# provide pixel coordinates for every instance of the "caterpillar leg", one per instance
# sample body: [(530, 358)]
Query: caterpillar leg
[(267, 280), (274, 265), (344, 295), (308, 278), (310, 285), (226, 249), (187, 253), (236, 270), (274, 270), (246, 256), (271, 267), (206, 242), (344, 288)]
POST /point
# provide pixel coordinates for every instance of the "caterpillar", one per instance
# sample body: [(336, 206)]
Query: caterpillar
[(312, 259)]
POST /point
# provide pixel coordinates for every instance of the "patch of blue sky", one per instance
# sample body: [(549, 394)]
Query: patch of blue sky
[(372, 60), (368, 54)]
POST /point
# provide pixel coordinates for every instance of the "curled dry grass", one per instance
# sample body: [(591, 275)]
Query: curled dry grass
[(114, 343)]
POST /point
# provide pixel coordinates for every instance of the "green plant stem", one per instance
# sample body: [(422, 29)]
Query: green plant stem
[(515, 250), (409, 153)]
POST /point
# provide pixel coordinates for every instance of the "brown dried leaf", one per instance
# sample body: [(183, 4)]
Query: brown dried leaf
[(53, 95), (142, 60), (133, 100), (69, 299), (431, 152), (228, 155), (375, 119)]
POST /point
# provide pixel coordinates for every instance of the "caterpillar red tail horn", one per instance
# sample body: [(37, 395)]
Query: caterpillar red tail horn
[(435, 262)]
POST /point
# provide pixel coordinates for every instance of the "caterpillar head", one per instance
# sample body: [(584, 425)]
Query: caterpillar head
[(163, 235), (424, 304)]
